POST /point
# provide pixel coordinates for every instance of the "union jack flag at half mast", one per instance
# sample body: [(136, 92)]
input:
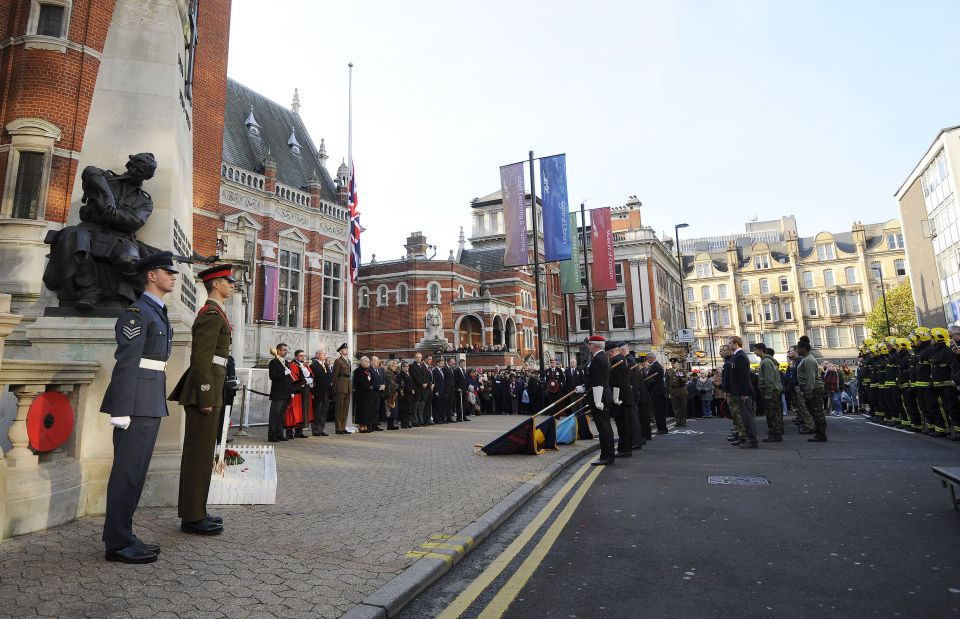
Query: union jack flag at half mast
[(355, 228)]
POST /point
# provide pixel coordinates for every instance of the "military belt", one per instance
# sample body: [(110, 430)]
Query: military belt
[(153, 364), (217, 360)]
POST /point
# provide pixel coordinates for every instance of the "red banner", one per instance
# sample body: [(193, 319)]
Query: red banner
[(603, 274)]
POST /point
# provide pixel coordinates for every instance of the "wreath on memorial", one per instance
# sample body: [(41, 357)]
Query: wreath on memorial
[(232, 457)]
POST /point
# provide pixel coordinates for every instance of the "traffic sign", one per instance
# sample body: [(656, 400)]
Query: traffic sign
[(685, 336)]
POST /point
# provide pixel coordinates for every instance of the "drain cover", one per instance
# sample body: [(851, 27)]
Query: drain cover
[(737, 480)]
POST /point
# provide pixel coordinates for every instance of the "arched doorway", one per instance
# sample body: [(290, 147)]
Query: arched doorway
[(497, 331), (471, 331), (510, 336)]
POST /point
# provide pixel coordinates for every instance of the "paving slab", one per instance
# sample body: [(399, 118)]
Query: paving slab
[(352, 513)]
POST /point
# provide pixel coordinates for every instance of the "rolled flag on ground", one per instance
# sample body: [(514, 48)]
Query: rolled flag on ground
[(567, 430), (546, 435), (584, 433), (521, 439)]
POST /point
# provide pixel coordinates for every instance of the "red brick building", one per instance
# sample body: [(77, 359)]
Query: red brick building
[(67, 93), (469, 301)]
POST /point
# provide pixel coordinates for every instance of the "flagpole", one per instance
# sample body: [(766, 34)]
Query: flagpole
[(349, 278), (536, 268)]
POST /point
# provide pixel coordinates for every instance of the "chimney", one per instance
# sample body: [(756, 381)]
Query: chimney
[(416, 245), (270, 172), (733, 257), (313, 186), (295, 104)]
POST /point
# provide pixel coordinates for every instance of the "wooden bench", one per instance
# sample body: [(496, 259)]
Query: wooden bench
[(950, 478)]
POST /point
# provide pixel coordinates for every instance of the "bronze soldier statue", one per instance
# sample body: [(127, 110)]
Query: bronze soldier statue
[(92, 263)]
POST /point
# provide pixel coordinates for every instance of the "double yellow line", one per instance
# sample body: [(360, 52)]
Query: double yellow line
[(499, 604)]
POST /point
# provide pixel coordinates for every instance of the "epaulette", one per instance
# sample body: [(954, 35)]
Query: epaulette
[(133, 308)]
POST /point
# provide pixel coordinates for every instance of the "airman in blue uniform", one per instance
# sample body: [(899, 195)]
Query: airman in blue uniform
[(136, 402)]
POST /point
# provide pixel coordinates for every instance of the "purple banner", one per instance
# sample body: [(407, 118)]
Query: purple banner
[(271, 286), (514, 215)]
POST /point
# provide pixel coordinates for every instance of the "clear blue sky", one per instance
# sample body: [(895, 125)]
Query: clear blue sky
[(710, 112)]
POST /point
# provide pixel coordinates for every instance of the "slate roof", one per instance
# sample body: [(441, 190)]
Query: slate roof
[(489, 259), (276, 124)]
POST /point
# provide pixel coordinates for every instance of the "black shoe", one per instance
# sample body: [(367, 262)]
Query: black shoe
[(154, 548), (214, 519), (749, 444), (341, 431), (601, 463), (86, 304), (201, 527), (300, 435), (274, 440), (322, 433), (393, 428), (624, 455), (659, 432), (736, 442), (819, 438), (377, 429), (773, 439), (805, 431), (134, 553)]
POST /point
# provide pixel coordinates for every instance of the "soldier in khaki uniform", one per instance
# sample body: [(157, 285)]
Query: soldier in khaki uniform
[(677, 383), (770, 389), (200, 392), (342, 376)]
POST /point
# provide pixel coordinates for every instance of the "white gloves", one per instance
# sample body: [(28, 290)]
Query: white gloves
[(287, 371), (580, 389), (598, 398), (616, 396), (120, 422)]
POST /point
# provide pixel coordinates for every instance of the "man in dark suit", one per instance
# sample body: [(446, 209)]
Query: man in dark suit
[(378, 374), (449, 394), (136, 401), (460, 389), (599, 397), (572, 376), (439, 392), (741, 388), (421, 389), (630, 399), (658, 393), (621, 400), (281, 388), (322, 386)]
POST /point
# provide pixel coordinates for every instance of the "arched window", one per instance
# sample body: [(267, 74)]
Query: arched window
[(401, 294), (382, 296), (460, 294), (433, 293), (476, 293), (364, 298)]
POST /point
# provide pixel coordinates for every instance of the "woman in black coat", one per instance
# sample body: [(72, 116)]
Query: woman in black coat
[(365, 395), (405, 401)]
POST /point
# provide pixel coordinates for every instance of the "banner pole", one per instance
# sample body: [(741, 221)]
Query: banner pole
[(586, 265), (536, 268)]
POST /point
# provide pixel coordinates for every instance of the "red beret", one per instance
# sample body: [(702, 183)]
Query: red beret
[(215, 272), (596, 338)]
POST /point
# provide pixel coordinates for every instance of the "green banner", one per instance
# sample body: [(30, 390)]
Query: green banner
[(570, 269)]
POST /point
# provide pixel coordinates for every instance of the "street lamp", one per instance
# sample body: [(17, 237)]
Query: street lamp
[(683, 293), (877, 268)]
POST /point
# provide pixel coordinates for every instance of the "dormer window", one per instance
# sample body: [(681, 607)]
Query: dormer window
[(761, 262), (253, 127), (825, 251), (293, 143), (704, 270)]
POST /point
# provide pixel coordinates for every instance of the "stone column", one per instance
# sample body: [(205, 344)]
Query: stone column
[(21, 456), (638, 305)]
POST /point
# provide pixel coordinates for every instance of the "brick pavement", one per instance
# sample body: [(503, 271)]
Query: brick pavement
[(348, 510)]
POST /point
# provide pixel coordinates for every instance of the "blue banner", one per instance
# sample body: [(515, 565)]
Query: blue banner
[(557, 241)]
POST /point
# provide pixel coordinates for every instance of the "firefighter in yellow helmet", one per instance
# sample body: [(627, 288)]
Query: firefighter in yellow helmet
[(944, 401), (923, 386), (903, 392), (879, 402)]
